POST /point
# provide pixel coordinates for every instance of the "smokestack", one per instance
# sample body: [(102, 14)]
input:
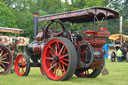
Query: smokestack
[(35, 22)]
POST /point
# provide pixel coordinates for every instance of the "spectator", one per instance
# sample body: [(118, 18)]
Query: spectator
[(119, 54)]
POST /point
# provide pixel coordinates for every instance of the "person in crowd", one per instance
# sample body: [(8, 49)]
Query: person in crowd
[(119, 54)]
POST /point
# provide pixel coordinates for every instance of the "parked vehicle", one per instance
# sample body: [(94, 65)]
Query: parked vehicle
[(119, 40), (9, 48), (60, 53)]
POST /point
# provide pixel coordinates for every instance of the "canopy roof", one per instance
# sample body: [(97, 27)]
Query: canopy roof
[(118, 36), (83, 15), (11, 30)]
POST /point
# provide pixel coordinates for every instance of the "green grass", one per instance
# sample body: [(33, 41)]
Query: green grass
[(118, 75)]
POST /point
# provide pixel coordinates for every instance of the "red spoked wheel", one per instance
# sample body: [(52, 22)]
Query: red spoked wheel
[(6, 59), (59, 59), (89, 73), (22, 65)]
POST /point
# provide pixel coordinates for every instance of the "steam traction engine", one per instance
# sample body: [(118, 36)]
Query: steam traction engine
[(9, 48), (60, 53)]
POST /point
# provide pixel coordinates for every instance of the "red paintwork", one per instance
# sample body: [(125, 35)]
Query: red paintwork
[(20, 71), (49, 63), (90, 32), (97, 40)]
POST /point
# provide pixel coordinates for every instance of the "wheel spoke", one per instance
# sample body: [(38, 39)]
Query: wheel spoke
[(4, 55), (52, 67), (2, 64), (1, 52), (58, 46), (57, 34), (55, 69), (66, 60), (3, 59), (64, 68), (5, 62), (60, 68), (61, 49), (65, 55), (57, 72), (52, 49), (49, 58), (51, 53), (64, 51), (50, 30), (52, 62), (64, 63), (56, 49)]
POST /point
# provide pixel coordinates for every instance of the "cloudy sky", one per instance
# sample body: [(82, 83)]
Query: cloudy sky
[(68, 1)]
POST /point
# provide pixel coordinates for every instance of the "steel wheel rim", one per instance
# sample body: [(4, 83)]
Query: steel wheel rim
[(5, 60), (51, 64), (20, 65)]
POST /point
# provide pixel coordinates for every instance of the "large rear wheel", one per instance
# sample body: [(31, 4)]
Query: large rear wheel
[(6, 59), (59, 59), (90, 73)]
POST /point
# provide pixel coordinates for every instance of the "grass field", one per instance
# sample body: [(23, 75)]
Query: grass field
[(118, 75)]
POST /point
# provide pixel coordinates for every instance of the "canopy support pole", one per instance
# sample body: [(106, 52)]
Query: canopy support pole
[(121, 20)]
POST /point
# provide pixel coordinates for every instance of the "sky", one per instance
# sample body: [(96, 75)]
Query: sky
[(68, 1)]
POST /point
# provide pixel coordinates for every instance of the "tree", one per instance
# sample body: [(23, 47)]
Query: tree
[(7, 18), (81, 4)]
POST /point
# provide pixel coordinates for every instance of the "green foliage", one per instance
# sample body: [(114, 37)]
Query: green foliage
[(18, 13), (7, 18), (25, 22), (81, 4), (49, 6)]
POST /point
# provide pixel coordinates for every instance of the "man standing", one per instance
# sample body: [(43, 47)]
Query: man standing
[(119, 54)]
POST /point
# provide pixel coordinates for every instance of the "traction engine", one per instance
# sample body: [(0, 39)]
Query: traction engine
[(60, 53)]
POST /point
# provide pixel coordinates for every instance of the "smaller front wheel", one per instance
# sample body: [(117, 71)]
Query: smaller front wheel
[(22, 65)]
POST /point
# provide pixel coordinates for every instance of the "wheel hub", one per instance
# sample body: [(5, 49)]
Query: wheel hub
[(56, 58), (20, 65)]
